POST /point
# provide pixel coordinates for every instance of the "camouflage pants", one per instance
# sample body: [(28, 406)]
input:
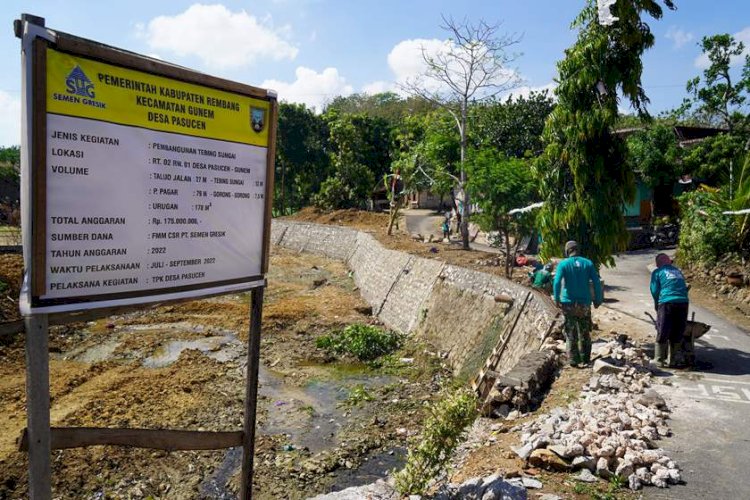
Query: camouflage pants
[(577, 328)]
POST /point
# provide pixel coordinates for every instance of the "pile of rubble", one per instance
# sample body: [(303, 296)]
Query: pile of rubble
[(489, 488), (522, 388), (611, 430), (493, 487)]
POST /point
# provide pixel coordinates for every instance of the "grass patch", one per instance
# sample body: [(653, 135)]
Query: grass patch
[(442, 431), (600, 491), (358, 395), (364, 342)]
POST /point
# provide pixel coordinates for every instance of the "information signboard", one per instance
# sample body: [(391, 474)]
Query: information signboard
[(141, 181), (147, 186)]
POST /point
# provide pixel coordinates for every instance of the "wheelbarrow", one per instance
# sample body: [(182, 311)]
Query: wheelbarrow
[(693, 330)]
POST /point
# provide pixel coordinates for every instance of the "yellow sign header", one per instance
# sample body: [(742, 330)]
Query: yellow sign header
[(85, 88)]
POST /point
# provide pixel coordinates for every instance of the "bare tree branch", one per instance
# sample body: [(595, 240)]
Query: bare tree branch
[(471, 66)]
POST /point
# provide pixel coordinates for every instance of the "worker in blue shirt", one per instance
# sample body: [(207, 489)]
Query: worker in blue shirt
[(670, 293), (572, 293)]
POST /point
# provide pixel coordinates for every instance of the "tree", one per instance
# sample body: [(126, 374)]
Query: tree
[(367, 140), (406, 169), (302, 160), (386, 105), (716, 98), (501, 184), (584, 178), (715, 157), (360, 153), (656, 158), (11, 155), (440, 154), (472, 65), (514, 126)]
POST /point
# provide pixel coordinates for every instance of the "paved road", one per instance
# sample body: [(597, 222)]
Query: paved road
[(426, 222), (711, 406)]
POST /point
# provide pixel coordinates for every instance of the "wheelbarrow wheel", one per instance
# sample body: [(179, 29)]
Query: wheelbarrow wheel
[(688, 351)]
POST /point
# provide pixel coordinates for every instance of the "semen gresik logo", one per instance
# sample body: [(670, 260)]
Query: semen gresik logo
[(79, 84), (79, 90)]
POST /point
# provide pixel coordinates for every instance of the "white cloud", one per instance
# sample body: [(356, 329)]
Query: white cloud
[(379, 87), (703, 62), (218, 37), (406, 61), (10, 119), (311, 88), (679, 37), (406, 58)]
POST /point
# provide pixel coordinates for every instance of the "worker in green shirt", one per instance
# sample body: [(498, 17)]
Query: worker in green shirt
[(572, 293), (542, 278), (670, 293)]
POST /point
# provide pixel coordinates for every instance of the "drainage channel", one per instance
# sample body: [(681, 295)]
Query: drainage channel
[(310, 416)]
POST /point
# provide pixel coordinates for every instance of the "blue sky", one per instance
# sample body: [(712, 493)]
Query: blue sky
[(313, 50)]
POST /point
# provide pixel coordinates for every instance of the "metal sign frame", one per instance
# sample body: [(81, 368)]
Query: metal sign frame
[(39, 438)]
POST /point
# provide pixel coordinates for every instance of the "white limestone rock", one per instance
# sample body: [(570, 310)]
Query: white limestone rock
[(634, 483)]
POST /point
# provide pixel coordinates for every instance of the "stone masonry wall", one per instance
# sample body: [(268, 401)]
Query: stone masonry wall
[(451, 307)]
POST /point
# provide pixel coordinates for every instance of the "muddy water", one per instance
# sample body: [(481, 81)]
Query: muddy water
[(310, 417)]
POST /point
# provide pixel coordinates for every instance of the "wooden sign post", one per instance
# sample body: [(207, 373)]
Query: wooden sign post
[(142, 183)]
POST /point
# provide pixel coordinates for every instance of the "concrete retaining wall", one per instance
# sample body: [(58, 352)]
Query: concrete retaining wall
[(451, 307)]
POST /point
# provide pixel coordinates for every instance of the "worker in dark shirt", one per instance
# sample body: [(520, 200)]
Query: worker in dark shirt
[(670, 293)]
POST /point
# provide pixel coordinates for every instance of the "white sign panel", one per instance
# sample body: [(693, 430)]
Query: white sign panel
[(152, 187)]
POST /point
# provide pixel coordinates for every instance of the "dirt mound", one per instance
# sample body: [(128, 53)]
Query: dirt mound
[(11, 274), (181, 366), (377, 224), (350, 217)]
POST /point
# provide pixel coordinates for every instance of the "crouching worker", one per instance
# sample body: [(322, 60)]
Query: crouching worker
[(670, 293), (572, 293), (542, 278)]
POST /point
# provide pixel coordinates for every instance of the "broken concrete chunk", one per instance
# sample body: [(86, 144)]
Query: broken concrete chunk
[(574, 450), (602, 468), (523, 451), (634, 482), (558, 449), (532, 483), (545, 459), (586, 476), (674, 476), (584, 462), (606, 366), (624, 468), (651, 398)]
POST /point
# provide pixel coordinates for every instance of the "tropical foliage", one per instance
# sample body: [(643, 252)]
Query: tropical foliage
[(501, 184), (583, 173), (441, 433)]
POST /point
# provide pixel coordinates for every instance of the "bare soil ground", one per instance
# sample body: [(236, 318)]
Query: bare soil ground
[(377, 224), (182, 367), (496, 456), (11, 269)]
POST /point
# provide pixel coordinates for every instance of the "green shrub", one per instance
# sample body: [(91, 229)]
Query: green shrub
[(705, 233), (442, 432), (333, 194), (364, 342), (357, 395)]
